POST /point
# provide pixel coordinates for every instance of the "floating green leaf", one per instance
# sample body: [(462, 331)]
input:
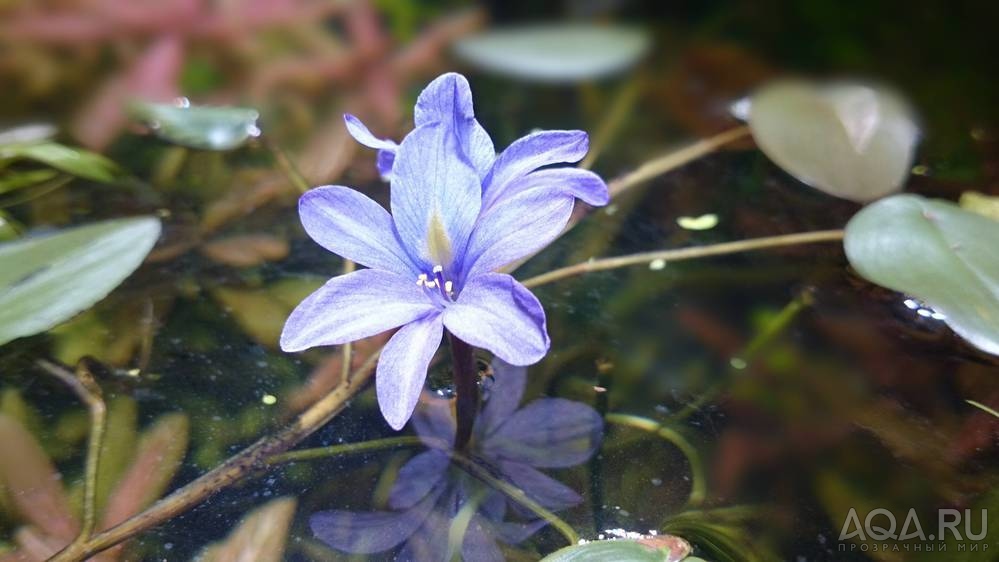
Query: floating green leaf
[(555, 53), (936, 252), (205, 128), (652, 548), (76, 161), (47, 280), (849, 140)]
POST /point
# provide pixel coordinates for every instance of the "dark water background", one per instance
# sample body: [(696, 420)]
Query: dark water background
[(855, 401)]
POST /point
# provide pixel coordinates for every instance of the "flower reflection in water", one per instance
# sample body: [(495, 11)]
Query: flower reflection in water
[(433, 493)]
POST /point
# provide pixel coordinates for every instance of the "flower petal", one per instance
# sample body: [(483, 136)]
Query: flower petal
[(514, 533), (516, 227), (433, 422), (504, 395), (548, 433), (436, 196), (571, 182), (368, 532), (448, 100), (497, 313), (402, 367), (529, 153), (547, 491), (351, 225), (417, 478), (354, 306), (362, 135), (479, 543)]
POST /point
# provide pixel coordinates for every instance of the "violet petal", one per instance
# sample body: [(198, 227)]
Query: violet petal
[(497, 313), (448, 100), (548, 433), (362, 135), (402, 367), (516, 227), (433, 422), (436, 196), (478, 543), (545, 490), (351, 225), (417, 478), (529, 153), (368, 532), (504, 396), (571, 182), (354, 306)]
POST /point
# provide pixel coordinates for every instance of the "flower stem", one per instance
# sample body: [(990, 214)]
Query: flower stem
[(466, 389), (83, 384), (680, 254), (345, 449)]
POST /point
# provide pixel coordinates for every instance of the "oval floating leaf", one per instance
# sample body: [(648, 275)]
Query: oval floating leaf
[(205, 128), (652, 548), (47, 280), (937, 252), (555, 53), (849, 140)]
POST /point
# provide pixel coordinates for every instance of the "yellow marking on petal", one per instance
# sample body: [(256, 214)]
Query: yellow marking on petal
[(438, 244)]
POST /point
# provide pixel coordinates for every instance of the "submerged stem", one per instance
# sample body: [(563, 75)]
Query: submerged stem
[(680, 254), (698, 482), (83, 384), (466, 389), (517, 495), (345, 449)]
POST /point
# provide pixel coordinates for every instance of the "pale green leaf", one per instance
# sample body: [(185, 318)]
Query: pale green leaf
[(555, 52), (47, 280), (849, 140), (937, 252), (205, 128)]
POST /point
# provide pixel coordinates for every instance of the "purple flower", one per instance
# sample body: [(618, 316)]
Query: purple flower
[(459, 213), (430, 491)]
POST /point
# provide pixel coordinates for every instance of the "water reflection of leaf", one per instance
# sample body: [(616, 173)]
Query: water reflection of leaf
[(260, 537), (37, 496), (431, 492), (261, 313)]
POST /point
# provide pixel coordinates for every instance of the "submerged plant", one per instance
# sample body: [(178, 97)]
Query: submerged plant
[(459, 213), (431, 489)]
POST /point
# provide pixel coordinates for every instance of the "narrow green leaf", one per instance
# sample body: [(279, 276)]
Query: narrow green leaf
[(76, 161), (47, 280), (937, 252), (27, 178), (205, 128)]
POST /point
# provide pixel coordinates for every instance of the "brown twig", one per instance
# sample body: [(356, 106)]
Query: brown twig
[(680, 254)]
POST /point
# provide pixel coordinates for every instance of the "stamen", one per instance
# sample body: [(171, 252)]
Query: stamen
[(438, 269), (421, 280), (431, 284), (449, 287)]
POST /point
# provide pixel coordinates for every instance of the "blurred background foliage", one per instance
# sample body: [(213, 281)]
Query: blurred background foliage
[(802, 390)]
